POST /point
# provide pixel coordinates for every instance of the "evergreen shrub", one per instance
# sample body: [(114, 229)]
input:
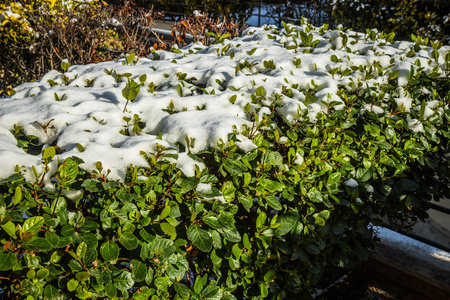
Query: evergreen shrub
[(276, 219)]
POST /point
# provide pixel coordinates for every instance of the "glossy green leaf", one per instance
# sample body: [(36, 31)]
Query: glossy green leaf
[(138, 270), (10, 228), (51, 292), (82, 276), (182, 290), (129, 241), (261, 220), (273, 202), (162, 283), (200, 238), (81, 250), (109, 251), (168, 229), (211, 292), (124, 281), (111, 290), (263, 289), (72, 285), (42, 273), (17, 195), (40, 244), (7, 261), (143, 293), (33, 224), (226, 219)]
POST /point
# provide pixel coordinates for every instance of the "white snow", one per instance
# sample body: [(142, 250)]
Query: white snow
[(415, 125), (352, 183), (173, 108)]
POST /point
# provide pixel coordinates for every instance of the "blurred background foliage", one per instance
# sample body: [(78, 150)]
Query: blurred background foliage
[(427, 18)]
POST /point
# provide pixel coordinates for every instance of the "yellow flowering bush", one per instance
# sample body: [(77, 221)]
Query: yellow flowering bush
[(14, 23)]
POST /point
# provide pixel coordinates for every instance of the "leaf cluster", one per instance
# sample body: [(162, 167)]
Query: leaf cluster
[(265, 223)]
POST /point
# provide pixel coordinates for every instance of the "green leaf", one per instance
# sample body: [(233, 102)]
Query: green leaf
[(212, 222), (231, 235), (111, 290), (269, 276), (164, 213), (275, 158), (226, 219), (215, 258), (311, 248), (288, 221), (422, 110), (33, 224), (394, 75), (168, 229), (63, 241), (252, 51), (246, 242), (82, 276), (304, 37), (409, 185), (162, 283), (333, 178), (131, 91), (48, 153), (17, 195), (273, 202), (138, 270), (129, 59), (50, 292), (42, 273), (52, 238), (10, 228), (65, 65), (260, 92), (236, 251), (68, 171), (363, 174), (200, 283), (72, 285), (55, 258), (81, 250), (142, 293), (264, 290), (182, 290), (61, 205), (261, 220), (217, 240), (7, 261), (109, 251), (200, 238), (211, 292), (129, 241), (90, 185), (89, 226), (124, 281), (39, 243)]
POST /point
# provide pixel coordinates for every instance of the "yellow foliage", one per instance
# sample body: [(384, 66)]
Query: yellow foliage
[(14, 24)]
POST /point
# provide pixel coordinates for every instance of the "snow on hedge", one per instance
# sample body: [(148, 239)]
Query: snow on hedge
[(203, 93)]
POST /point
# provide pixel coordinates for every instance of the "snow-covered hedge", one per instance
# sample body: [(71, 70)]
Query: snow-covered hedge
[(248, 169)]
